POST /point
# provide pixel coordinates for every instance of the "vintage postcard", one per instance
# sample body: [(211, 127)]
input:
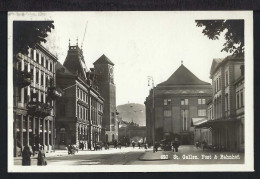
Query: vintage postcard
[(130, 91)]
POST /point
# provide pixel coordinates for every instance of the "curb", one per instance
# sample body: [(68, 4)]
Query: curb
[(142, 159)]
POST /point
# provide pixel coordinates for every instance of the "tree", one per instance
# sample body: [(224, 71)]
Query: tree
[(234, 34), (26, 34)]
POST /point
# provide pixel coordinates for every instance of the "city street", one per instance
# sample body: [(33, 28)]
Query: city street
[(130, 156)]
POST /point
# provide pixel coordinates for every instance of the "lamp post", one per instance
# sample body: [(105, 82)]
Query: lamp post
[(150, 80)]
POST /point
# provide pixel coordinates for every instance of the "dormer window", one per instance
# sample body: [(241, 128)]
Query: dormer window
[(242, 67)]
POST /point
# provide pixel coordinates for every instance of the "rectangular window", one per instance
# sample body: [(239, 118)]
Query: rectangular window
[(226, 78), (32, 54), (80, 94), (42, 79), (42, 61), (169, 101), (46, 81), (203, 101), (41, 97), (202, 112), (37, 76), (238, 101), (78, 111), (182, 102), (186, 102), (242, 98), (199, 101), (25, 95), (47, 64), (37, 57), (25, 67), (165, 102), (167, 113), (51, 67), (184, 117)]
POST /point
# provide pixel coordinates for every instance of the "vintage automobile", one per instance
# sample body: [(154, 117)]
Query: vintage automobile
[(98, 146), (166, 145)]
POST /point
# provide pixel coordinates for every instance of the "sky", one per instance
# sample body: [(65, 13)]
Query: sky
[(140, 44)]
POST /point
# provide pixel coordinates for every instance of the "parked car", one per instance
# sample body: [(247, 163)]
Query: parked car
[(166, 145), (98, 146)]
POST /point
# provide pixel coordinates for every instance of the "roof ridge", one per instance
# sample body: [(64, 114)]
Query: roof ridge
[(103, 59), (183, 76)]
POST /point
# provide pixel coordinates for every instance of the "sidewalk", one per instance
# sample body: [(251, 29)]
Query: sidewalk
[(190, 154), (60, 153)]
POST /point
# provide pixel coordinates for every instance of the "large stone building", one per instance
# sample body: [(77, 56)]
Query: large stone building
[(80, 110), (34, 99), (227, 121), (104, 68), (182, 97)]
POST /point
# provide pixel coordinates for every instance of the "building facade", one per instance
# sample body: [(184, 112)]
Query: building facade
[(34, 98), (176, 101), (104, 69), (228, 103), (131, 131), (80, 110)]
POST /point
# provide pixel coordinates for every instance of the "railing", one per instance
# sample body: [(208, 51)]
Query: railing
[(39, 109), (22, 78), (54, 93)]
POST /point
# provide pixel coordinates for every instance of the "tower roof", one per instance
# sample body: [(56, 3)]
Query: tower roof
[(103, 60), (183, 76), (74, 61)]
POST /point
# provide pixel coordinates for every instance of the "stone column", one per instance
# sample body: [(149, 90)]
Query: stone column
[(48, 134), (15, 134), (21, 132), (43, 132), (27, 129), (34, 126)]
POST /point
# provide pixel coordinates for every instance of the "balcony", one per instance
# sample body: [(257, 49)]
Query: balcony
[(54, 93), (39, 109), (22, 78)]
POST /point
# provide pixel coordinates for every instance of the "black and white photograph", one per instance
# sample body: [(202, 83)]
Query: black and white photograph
[(130, 91)]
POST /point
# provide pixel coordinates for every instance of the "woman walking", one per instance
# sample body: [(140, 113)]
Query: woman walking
[(26, 155)]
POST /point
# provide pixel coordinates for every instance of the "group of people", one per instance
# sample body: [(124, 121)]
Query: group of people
[(202, 144), (26, 155), (174, 145), (139, 145)]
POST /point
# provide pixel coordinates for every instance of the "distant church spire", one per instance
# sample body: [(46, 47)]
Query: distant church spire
[(182, 62), (69, 42)]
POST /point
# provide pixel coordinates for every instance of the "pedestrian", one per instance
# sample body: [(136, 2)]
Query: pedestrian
[(197, 144), (119, 145), (204, 144), (133, 144), (139, 145), (26, 156), (145, 145), (34, 149), (176, 144), (89, 146), (41, 158)]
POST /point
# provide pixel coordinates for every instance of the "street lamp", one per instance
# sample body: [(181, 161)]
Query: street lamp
[(150, 80)]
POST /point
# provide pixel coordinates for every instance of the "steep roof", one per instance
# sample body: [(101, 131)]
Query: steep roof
[(103, 60), (62, 69), (215, 63), (183, 76), (74, 61)]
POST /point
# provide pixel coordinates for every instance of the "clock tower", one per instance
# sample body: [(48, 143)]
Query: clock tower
[(104, 69)]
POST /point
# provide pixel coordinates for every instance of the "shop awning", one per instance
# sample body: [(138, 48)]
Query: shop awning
[(198, 121)]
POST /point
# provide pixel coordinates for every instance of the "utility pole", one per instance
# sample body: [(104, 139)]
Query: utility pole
[(150, 79)]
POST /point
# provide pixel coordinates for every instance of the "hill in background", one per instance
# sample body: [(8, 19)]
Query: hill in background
[(132, 112)]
